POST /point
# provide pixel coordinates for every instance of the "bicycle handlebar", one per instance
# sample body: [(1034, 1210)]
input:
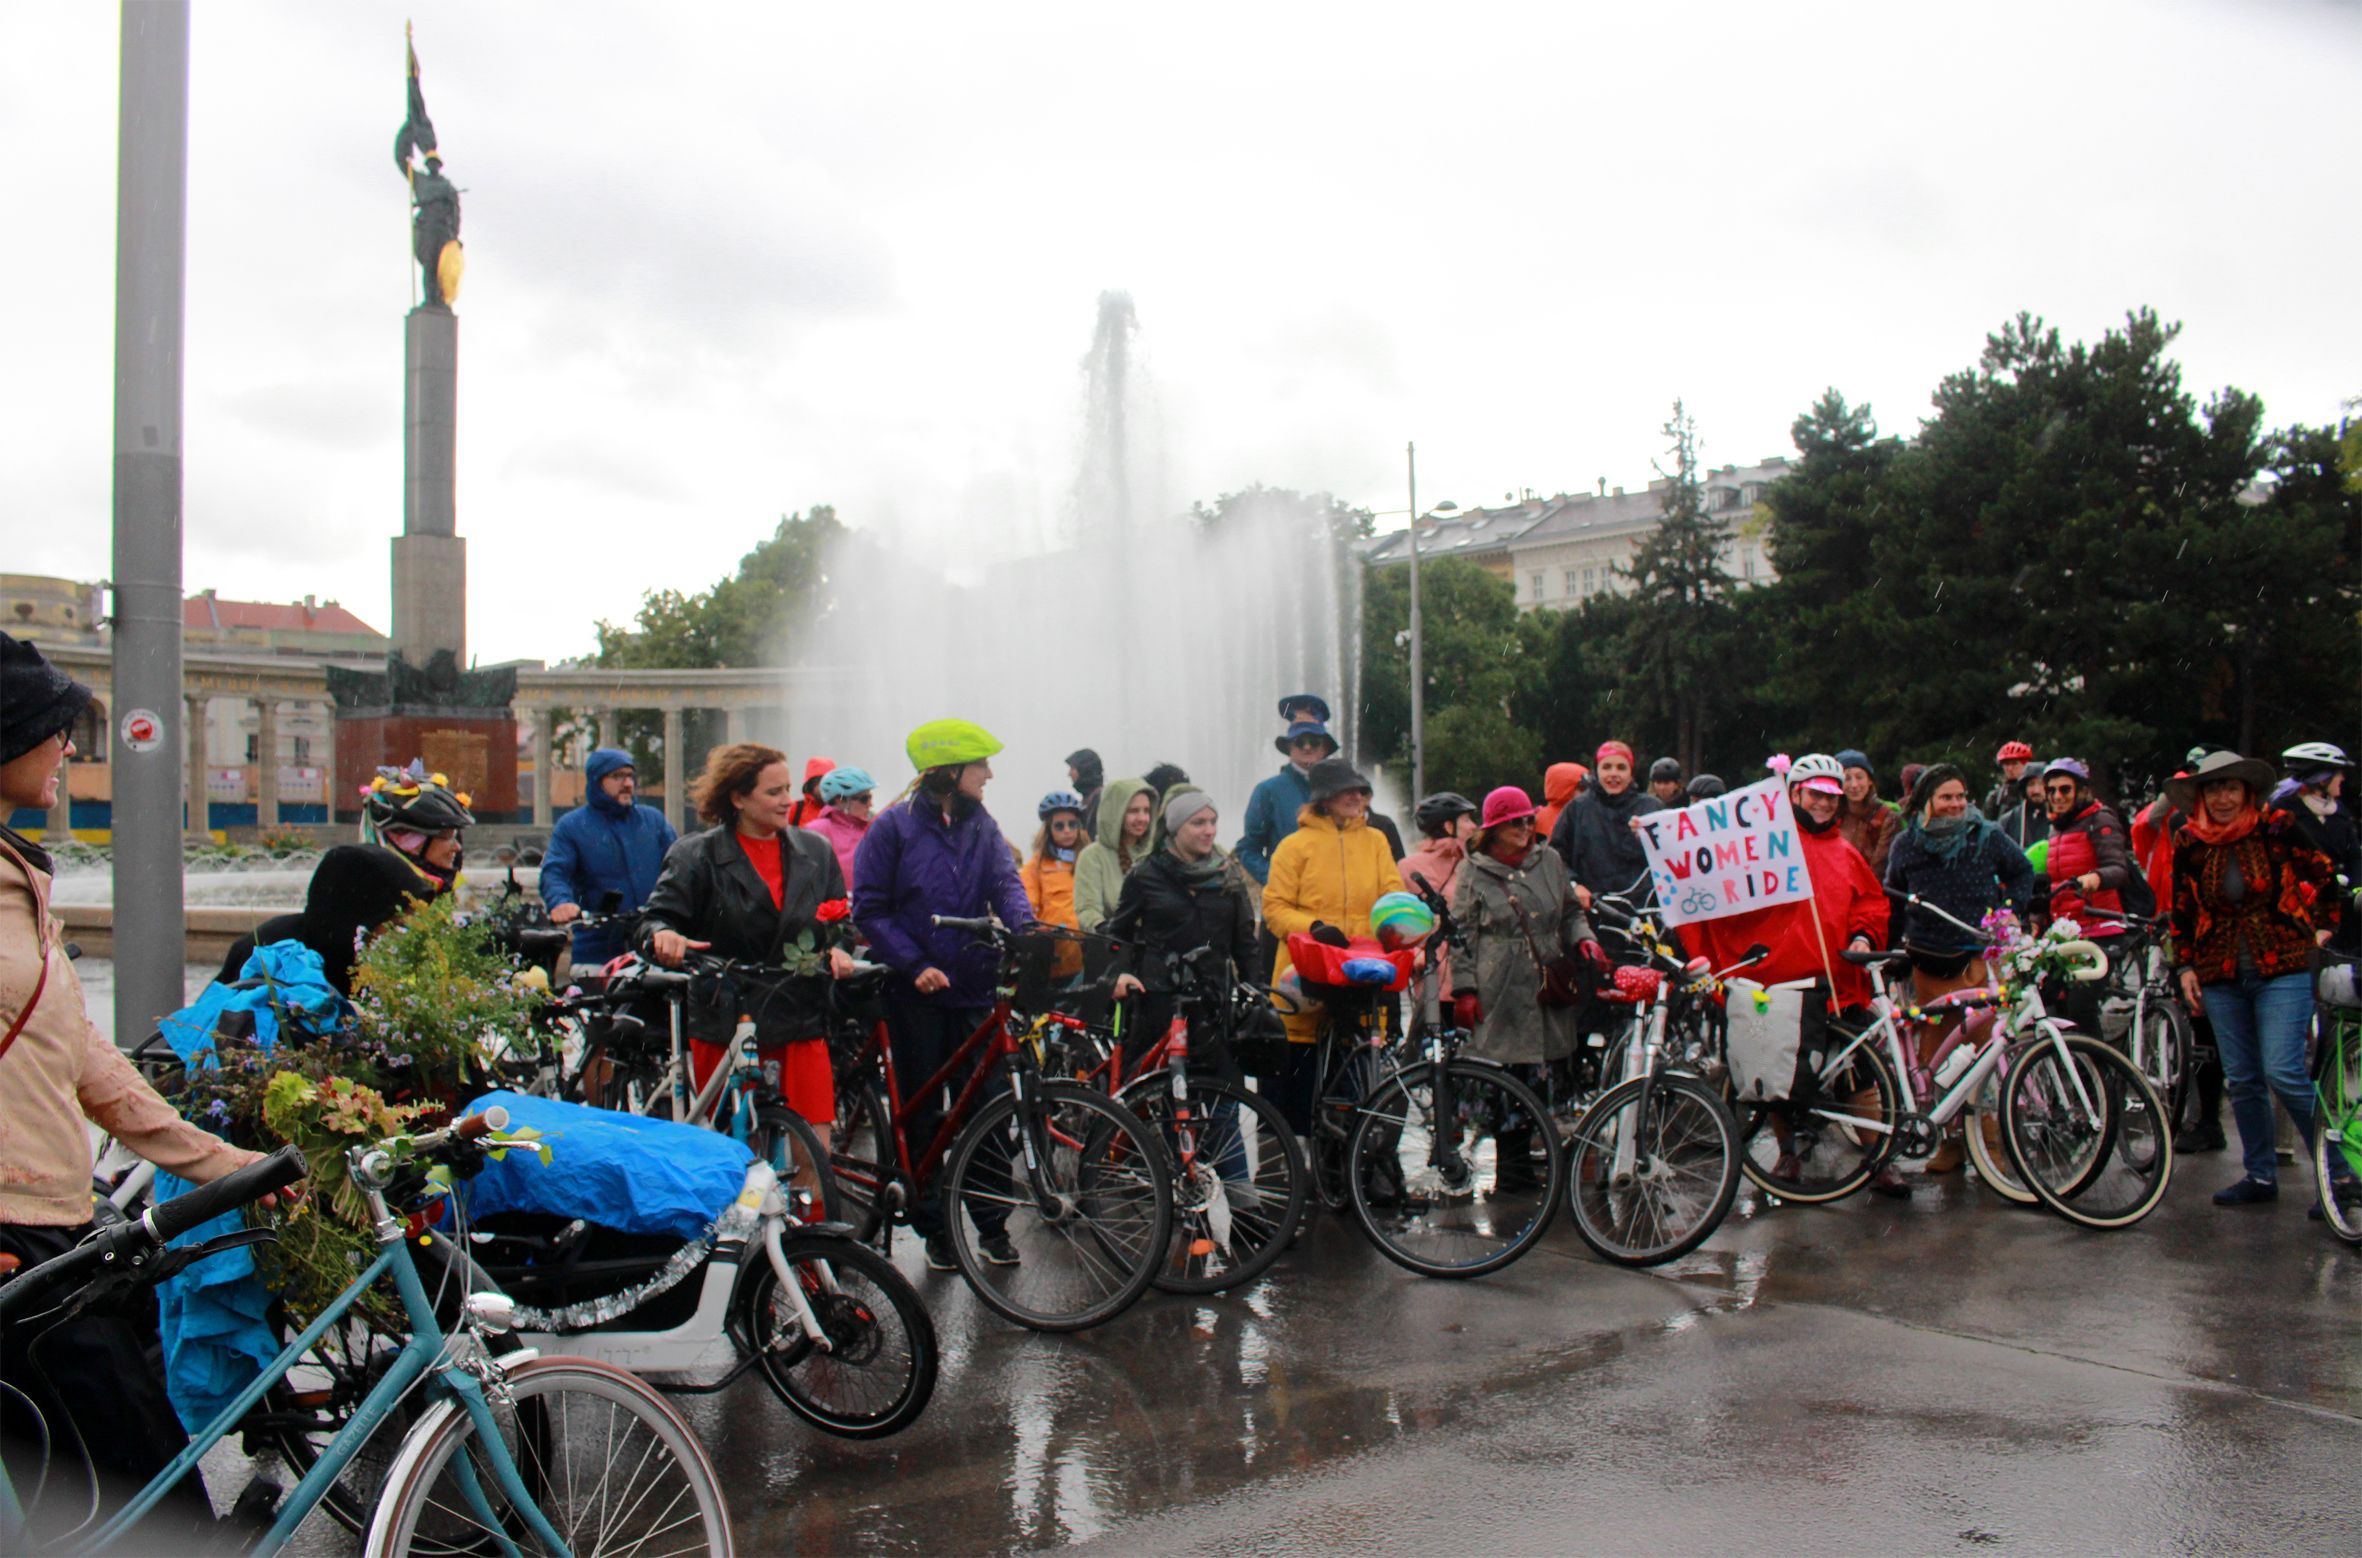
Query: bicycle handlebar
[(167, 1220)]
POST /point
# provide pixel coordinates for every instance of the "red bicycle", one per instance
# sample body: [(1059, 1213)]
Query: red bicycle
[(1239, 1177), (1074, 1179)]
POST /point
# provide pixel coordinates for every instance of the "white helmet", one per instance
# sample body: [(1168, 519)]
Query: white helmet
[(1817, 765), (2316, 754)]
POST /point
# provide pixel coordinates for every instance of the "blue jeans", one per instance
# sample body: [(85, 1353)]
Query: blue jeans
[(2259, 1029)]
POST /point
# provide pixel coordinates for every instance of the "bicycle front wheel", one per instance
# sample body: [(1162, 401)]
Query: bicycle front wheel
[(1981, 1128), (1457, 1191), (870, 1370), (1238, 1200), (1650, 1183), (609, 1463), (786, 1140), (2337, 1122), (2087, 1132), (1079, 1186)]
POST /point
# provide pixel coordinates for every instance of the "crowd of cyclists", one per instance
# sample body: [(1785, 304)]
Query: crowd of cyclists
[(2246, 869)]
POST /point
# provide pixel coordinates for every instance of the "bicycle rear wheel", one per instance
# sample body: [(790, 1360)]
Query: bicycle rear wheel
[(611, 1465), (861, 1158), (1487, 1203), (1344, 1087), (786, 1140), (1650, 1184), (1829, 1150), (877, 1370), (2087, 1132), (1085, 1201), (1237, 1204)]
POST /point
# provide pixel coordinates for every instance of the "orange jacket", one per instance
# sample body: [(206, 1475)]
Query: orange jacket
[(1049, 887), (1561, 782)]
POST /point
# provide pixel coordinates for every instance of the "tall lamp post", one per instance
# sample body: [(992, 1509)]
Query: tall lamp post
[(1418, 642)]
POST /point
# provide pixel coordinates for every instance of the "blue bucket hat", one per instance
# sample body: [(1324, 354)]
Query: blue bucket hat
[(1294, 700), (1305, 727)]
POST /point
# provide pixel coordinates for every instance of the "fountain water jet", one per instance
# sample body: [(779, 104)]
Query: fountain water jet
[(1147, 635)]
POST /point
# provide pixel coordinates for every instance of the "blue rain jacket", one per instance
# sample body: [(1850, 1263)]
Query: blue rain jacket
[(604, 847)]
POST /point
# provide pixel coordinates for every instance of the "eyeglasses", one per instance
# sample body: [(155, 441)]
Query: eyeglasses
[(2058, 789)]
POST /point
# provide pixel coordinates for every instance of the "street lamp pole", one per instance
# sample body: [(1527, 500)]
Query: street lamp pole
[(1418, 646)]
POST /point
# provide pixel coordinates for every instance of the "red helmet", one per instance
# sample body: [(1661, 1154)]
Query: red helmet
[(2013, 752)]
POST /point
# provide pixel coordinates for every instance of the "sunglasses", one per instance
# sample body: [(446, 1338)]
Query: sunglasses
[(1064, 824), (1308, 741), (2065, 788)]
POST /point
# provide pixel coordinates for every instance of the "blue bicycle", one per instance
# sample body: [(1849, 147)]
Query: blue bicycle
[(509, 1455)]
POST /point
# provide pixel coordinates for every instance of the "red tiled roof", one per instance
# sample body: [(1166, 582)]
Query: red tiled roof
[(205, 611)]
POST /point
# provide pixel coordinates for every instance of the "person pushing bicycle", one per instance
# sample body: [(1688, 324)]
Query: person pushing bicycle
[(938, 853)]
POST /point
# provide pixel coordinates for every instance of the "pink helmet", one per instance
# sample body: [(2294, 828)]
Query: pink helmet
[(1507, 804)]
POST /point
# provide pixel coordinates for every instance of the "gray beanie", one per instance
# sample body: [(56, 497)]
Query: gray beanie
[(1184, 805)]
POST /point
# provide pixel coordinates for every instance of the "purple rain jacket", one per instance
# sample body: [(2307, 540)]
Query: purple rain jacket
[(910, 865)]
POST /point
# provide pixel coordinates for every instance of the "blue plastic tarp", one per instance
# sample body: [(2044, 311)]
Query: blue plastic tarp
[(620, 1171), (213, 1316)]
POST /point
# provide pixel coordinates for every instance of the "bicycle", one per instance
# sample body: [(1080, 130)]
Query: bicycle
[(738, 1097), (1074, 1179), (2083, 1131), (1653, 1163), (1239, 1177), (2337, 1092), (1452, 1166), (513, 1453), (2156, 1031)]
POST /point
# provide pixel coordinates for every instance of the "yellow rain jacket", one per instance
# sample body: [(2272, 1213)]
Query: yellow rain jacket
[(1330, 871)]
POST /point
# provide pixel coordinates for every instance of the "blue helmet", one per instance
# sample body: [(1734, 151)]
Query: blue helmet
[(840, 784), (1059, 800)]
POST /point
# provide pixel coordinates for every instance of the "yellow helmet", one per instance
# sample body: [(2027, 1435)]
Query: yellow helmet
[(947, 743)]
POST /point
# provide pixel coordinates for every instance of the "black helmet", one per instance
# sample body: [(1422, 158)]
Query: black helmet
[(1440, 810), (413, 798), (1665, 769), (1705, 787)]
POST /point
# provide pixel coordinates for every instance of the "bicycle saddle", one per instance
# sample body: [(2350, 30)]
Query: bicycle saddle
[(1874, 959)]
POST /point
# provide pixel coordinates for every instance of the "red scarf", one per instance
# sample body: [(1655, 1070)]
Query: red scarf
[(2206, 830)]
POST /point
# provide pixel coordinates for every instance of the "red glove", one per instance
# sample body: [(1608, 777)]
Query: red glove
[(1596, 955), (1467, 1011)]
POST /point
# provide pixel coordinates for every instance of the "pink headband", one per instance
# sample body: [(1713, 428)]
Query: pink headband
[(1616, 748)]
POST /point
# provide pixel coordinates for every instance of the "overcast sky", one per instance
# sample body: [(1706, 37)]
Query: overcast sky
[(725, 262)]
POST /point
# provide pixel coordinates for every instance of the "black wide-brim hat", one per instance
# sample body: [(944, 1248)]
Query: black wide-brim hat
[(1333, 776), (37, 700), (2182, 791)]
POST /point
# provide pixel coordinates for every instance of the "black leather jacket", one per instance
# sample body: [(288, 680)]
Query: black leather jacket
[(709, 891)]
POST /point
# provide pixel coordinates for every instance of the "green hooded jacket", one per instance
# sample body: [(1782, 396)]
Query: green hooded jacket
[(1098, 871)]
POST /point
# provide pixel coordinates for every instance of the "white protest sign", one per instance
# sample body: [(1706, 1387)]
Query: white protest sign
[(1727, 855)]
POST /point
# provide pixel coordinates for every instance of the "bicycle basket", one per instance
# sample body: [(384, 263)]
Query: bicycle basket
[(2337, 980)]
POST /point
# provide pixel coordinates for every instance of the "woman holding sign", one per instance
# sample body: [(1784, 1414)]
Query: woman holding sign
[(1847, 910)]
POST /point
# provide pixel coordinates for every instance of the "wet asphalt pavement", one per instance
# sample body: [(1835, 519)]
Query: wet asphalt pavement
[(1947, 1373)]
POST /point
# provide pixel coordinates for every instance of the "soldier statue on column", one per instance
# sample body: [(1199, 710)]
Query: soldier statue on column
[(434, 199)]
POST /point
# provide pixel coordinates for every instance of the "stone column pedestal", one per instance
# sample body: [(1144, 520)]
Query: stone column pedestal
[(266, 765), (199, 812), (676, 772)]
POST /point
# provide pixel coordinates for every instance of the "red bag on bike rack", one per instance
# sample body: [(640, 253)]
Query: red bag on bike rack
[(1318, 963)]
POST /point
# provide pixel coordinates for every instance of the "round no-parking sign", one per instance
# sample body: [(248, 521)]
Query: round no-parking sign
[(143, 730)]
